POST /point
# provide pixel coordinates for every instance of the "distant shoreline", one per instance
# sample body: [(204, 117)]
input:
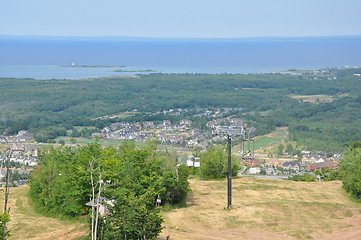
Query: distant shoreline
[(136, 71), (92, 66)]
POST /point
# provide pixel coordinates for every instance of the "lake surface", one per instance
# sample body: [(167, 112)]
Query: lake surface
[(41, 58)]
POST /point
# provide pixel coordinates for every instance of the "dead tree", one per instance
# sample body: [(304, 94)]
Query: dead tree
[(95, 200), (7, 190)]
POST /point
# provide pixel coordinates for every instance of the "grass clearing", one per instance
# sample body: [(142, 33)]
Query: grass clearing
[(264, 209), (261, 142), (82, 141), (4, 147), (120, 115), (313, 98), (80, 128), (25, 223)]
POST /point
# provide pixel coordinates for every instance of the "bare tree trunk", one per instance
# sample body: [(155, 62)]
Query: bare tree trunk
[(91, 168), (98, 200)]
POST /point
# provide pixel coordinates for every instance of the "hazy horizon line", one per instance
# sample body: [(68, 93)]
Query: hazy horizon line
[(133, 38)]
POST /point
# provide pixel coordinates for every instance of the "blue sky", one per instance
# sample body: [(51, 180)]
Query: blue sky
[(184, 19)]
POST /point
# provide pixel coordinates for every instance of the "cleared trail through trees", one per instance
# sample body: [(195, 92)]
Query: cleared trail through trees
[(25, 223), (262, 209)]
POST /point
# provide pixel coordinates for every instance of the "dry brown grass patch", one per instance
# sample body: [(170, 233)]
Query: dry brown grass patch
[(262, 209), (25, 223)]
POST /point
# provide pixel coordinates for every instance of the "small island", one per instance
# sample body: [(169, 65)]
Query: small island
[(93, 66)]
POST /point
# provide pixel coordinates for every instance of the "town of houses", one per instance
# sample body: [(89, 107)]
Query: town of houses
[(182, 133), (25, 153), (22, 136), (291, 166), (22, 151), (165, 132), (22, 155)]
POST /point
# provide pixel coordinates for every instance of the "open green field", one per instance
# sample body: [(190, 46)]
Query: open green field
[(80, 128), (264, 141), (277, 136), (80, 140)]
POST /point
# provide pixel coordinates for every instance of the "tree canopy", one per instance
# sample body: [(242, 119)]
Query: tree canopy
[(214, 163), (133, 178), (350, 168)]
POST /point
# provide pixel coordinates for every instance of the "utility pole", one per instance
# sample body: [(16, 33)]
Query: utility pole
[(229, 176)]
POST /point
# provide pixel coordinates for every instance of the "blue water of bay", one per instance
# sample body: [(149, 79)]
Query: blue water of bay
[(42, 58)]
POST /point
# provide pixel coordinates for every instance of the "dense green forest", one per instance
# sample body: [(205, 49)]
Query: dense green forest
[(50, 107)]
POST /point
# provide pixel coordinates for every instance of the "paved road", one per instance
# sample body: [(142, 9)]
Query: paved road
[(260, 176), (264, 176)]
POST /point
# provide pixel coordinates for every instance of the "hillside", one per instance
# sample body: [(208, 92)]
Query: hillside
[(265, 209), (262, 209), (25, 223), (321, 109)]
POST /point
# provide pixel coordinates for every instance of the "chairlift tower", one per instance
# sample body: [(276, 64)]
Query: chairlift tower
[(230, 131), (247, 154)]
